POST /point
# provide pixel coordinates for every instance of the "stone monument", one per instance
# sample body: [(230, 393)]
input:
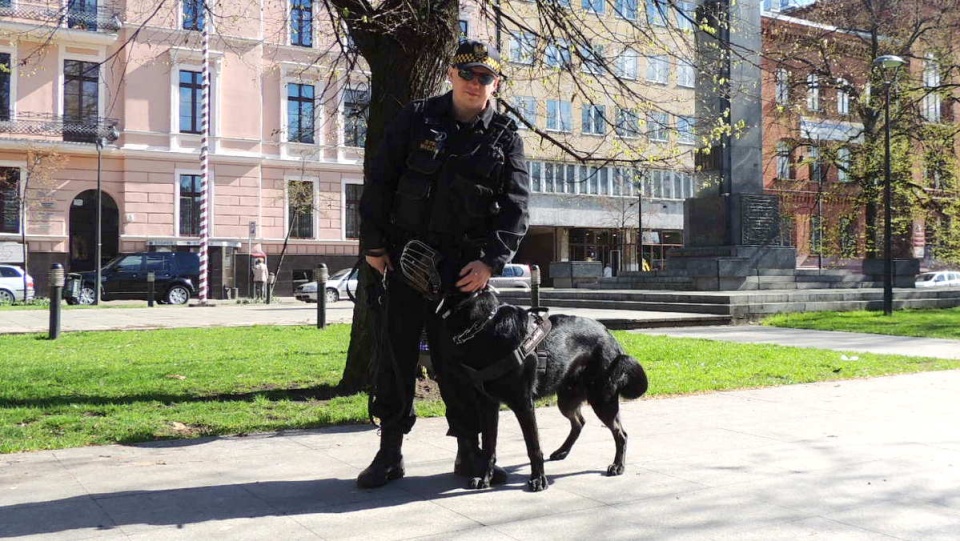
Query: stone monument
[(731, 229)]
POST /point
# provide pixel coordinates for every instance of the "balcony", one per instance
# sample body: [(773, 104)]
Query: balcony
[(45, 125), (84, 15)]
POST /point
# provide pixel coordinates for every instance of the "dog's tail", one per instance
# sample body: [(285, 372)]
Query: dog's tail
[(632, 380)]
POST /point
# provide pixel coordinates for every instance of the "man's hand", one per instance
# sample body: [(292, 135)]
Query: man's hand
[(380, 263), (474, 276)]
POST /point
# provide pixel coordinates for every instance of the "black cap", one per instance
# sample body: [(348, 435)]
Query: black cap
[(472, 53)]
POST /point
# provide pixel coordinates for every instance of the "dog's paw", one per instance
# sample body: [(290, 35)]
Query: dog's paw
[(615, 469), (538, 483), (559, 454), (478, 483)]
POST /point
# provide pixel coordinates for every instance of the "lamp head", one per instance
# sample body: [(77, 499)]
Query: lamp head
[(888, 62)]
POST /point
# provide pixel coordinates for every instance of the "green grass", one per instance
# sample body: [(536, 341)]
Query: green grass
[(130, 386), (936, 323)]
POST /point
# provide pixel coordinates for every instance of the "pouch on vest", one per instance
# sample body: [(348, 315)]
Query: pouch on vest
[(412, 198)]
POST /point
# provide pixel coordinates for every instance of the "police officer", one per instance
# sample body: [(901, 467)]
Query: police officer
[(450, 173)]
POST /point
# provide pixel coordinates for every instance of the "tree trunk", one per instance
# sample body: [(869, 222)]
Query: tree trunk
[(405, 65)]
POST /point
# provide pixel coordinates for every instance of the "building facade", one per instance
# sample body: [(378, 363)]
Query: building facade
[(105, 98)]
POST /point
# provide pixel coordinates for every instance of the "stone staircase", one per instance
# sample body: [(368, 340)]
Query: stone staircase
[(740, 306), (764, 279)]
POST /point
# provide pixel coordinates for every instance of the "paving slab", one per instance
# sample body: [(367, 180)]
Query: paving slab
[(851, 460)]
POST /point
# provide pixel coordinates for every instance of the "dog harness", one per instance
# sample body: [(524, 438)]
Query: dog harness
[(538, 326)]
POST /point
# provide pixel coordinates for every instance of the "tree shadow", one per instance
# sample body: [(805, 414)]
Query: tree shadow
[(180, 506)]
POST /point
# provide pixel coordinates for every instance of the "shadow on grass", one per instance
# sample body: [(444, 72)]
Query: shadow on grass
[(319, 392)]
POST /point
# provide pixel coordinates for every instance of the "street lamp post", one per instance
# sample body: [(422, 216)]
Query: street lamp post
[(112, 135), (888, 65)]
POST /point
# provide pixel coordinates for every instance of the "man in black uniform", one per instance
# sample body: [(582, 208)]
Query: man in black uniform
[(450, 173)]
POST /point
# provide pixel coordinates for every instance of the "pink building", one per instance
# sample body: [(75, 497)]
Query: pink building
[(285, 122)]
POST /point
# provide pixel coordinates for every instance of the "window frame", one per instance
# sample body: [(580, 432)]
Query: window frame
[(658, 129), (301, 7), (658, 69), (178, 173), (353, 90), (593, 119), (314, 186), (299, 101), (201, 18), (345, 208), (15, 204), (198, 105), (813, 92), (561, 109)]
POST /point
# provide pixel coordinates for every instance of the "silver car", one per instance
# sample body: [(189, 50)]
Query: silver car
[(336, 287), (11, 285), (513, 275)]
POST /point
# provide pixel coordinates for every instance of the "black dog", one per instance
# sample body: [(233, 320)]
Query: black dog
[(579, 360)]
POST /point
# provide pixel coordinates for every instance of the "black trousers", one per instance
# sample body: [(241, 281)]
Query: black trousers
[(407, 314)]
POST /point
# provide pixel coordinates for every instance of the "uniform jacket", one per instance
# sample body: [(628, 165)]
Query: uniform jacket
[(446, 183)]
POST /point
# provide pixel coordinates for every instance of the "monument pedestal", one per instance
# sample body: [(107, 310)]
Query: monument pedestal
[(904, 271), (730, 241)]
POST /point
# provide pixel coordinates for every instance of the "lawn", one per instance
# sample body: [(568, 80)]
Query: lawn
[(131, 386), (935, 323)]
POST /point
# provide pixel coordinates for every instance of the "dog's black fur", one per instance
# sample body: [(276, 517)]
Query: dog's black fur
[(584, 363)]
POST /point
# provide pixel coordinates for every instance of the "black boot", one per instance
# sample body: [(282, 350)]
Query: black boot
[(467, 462), (387, 465)]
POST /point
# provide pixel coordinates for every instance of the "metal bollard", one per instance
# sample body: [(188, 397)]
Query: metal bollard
[(535, 286), (271, 278), (57, 278), (151, 288), (322, 275)]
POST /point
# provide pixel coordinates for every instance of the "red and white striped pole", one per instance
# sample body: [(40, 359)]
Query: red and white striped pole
[(204, 156)]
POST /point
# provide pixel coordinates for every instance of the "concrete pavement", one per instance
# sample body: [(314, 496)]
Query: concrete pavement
[(131, 315), (851, 460)]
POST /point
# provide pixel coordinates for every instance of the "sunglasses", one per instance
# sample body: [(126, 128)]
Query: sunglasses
[(483, 78)]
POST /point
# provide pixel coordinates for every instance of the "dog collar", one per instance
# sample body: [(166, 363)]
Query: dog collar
[(474, 329)]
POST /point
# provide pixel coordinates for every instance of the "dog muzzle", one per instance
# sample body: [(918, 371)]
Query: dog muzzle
[(418, 266)]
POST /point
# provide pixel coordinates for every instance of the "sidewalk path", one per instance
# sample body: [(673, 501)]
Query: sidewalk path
[(839, 341), (875, 459), (285, 311)]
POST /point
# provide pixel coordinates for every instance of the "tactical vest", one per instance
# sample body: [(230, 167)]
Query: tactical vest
[(447, 193)]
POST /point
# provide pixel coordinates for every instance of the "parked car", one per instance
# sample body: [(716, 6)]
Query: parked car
[(336, 287), (11, 285), (943, 278), (176, 276), (513, 275)]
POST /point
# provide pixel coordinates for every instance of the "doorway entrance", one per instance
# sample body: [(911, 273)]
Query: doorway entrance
[(83, 231)]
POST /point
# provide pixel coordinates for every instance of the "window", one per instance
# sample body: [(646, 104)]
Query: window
[(783, 161), (594, 119), (300, 209), (557, 55), (686, 130), (658, 126), (82, 14), (191, 90), (526, 106), (627, 64), (4, 86), (656, 13), (686, 74), (355, 103), (351, 210), (931, 82), (81, 96), (191, 190), (626, 9), (816, 234), (593, 60), (813, 92), (464, 29), (848, 237), (9, 200), (628, 123), (593, 6), (658, 69), (300, 111), (194, 14), (843, 164), (816, 164), (301, 23), (522, 47), (559, 116), (782, 81), (843, 98), (686, 15), (536, 181)]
